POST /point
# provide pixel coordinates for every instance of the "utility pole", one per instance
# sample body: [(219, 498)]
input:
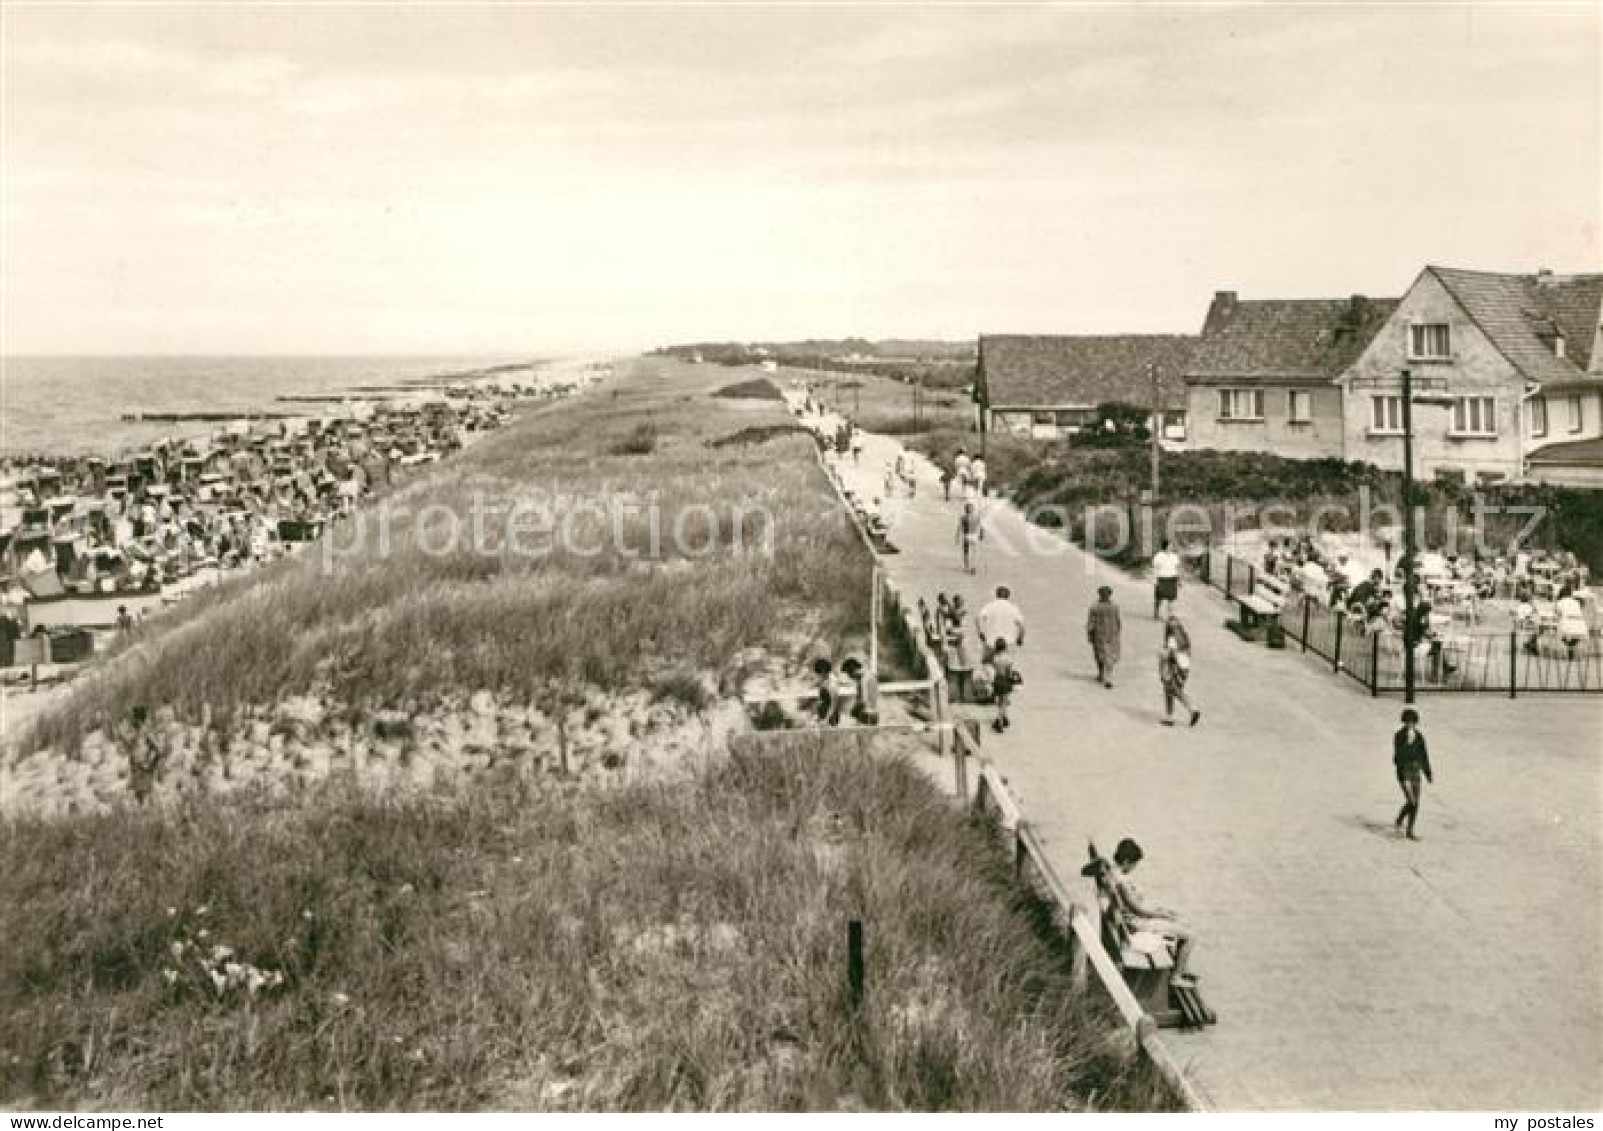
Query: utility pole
[(1157, 424), (1409, 641), (985, 411), (1435, 393)]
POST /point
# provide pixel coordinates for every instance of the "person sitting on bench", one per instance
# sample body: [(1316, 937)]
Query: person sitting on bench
[(1150, 917)]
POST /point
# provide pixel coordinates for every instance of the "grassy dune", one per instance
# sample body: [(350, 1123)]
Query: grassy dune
[(668, 945), (881, 404), (575, 593), (506, 929)]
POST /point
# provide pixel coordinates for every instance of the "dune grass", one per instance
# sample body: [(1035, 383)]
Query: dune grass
[(885, 405), (668, 945), (617, 545)]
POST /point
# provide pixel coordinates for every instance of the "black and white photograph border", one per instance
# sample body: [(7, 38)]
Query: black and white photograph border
[(801, 558)]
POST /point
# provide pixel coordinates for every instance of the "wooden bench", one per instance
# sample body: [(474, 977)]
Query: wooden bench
[(1260, 605), (1145, 958)]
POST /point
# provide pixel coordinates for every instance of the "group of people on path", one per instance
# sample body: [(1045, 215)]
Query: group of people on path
[(1103, 629), (991, 674), (968, 472)]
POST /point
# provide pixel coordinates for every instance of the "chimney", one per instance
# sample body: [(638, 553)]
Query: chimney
[(1220, 310), (1544, 277)]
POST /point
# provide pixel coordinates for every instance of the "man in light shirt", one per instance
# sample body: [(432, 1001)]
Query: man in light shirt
[(1166, 579), (1000, 619)]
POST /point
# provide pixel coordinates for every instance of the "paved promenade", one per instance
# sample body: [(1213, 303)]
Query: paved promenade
[(1350, 969)]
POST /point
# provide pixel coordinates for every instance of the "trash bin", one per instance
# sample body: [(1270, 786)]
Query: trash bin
[(1275, 633)]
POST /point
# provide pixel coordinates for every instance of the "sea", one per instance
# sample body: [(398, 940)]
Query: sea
[(54, 406)]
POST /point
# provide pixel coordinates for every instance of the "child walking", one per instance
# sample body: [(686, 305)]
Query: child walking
[(1004, 680)]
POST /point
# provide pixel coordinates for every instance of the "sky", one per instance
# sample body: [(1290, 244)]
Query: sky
[(447, 179)]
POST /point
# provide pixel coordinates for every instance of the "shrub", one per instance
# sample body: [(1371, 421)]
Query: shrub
[(758, 388), (641, 441)]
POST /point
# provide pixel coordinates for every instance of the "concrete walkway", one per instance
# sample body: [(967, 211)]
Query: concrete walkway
[(1351, 969)]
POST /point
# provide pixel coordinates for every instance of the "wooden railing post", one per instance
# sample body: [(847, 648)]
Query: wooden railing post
[(948, 741), (854, 964), (960, 742), (1078, 958), (1513, 661), (1230, 569), (874, 605), (1307, 609), (1374, 665), (1335, 660)]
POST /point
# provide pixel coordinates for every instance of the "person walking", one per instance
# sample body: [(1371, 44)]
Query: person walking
[(976, 474), (907, 473), (1411, 759), (1000, 619), (1174, 668), (969, 535), (1165, 579), (1004, 678), (1102, 629)]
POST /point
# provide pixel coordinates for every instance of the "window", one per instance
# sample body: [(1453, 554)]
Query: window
[(1299, 406), (1538, 416), (1429, 340), (1575, 413), (1386, 414), (1240, 404), (1474, 416)]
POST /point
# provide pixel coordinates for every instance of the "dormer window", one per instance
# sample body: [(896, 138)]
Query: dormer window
[(1429, 341), (1558, 346)]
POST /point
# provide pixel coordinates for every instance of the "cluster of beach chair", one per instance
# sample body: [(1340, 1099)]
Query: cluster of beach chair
[(98, 542)]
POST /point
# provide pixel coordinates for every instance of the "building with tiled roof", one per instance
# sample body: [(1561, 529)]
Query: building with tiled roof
[(1516, 360), (1049, 385), (1569, 463), (1262, 377)]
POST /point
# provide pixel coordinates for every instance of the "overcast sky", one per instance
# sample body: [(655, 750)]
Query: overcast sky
[(432, 179)]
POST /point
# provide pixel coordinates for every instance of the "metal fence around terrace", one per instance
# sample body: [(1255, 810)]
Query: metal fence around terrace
[(1508, 661)]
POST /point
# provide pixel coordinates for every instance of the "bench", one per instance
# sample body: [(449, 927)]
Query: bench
[(1145, 958), (1259, 606)]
